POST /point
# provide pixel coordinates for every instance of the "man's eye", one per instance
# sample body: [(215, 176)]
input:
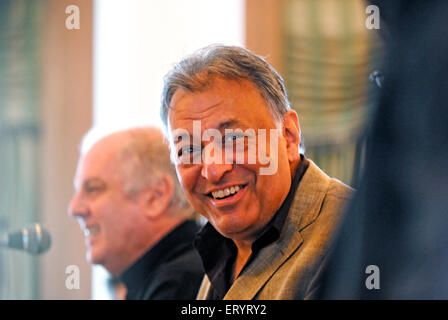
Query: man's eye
[(187, 150), (93, 189), (233, 137)]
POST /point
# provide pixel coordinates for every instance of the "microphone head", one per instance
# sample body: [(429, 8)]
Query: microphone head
[(34, 239)]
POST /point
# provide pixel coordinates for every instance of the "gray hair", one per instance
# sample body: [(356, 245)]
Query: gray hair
[(142, 162), (195, 72)]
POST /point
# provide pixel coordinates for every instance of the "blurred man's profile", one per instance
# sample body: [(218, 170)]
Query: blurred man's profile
[(134, 216)]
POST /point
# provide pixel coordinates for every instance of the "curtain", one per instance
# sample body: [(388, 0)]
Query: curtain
[(20, 26), (329, 54)]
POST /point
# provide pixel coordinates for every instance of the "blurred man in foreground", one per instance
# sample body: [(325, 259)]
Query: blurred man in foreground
[(272, 212), (135, 217), (394, 243)]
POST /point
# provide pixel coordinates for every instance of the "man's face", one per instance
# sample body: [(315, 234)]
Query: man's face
[(230, 104), (107, 216)]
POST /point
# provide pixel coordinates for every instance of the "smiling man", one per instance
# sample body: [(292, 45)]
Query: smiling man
[(135, 217), (269, 231)]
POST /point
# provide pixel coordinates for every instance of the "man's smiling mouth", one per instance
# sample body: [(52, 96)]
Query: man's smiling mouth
[(226, 192), (91, 231)]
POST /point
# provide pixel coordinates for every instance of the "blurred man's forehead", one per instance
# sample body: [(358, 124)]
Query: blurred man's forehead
[(99, 163)]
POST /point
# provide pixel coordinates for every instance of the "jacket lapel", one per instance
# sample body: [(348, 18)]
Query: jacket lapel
[(304, 210), (257, 274)]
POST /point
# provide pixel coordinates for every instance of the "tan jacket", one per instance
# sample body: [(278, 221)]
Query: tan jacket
[(289, 268)]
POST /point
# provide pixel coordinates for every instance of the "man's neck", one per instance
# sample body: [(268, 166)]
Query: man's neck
[(155, 234), (245, 246), (293, 166), (244, 251)]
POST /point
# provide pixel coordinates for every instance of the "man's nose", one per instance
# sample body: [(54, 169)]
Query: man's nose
[(214, 164), (214, 172), (77, 207)]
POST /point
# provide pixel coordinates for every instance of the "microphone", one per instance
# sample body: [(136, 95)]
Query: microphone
[(34, 239)]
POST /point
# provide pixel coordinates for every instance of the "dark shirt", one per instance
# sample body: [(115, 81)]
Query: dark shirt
[(218, 253), (171, 270)]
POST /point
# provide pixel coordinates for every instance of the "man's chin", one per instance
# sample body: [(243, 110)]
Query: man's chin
[(232, 230), (93, 258)]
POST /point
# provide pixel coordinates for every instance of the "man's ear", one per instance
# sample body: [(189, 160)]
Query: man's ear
[(157, 197), (291, 133)]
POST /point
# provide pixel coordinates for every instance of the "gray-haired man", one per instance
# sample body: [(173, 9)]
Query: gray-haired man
[(135, 217), (236, 143)]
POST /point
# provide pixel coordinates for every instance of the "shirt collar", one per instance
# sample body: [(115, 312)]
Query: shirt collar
[(273, 229)]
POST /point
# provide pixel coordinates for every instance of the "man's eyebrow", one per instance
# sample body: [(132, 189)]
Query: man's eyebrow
[(229, 124), (94, 181), (88, 182), (181, 135)]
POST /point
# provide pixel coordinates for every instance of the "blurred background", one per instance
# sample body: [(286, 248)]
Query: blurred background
[(57, 83)]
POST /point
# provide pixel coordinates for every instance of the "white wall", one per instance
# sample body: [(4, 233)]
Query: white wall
[(135, 44), (137, 41)]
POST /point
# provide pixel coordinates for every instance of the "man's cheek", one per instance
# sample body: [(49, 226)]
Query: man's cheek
[(184, 180), (188, 177)]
